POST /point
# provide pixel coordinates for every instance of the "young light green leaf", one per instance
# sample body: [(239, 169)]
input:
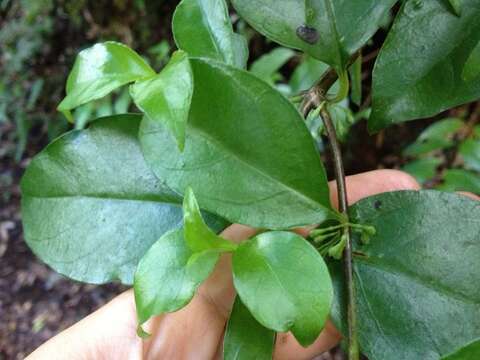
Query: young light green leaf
[(268, 65), (421, 76), (417, 279), (101, 69), (471, 70), (467, 352), (259, 168), (285, 284), (166, 97), (91, 207), (470, 152), (423, 169), (437, 136), (203, 29), (245, 338), (322, 28), (198, 235), (460, 180), (163, 281)]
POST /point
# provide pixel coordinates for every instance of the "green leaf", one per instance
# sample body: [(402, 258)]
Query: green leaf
[(461, 180), (470, 152), (323, 29), (268, 65), (163, 282), (468, 352), (471, 70), (245, 338), (248, 154), (307, 74), (417, 279), (285, 284), (423, 169), (437, 136), (356, 80), (418, 72), (166, 97), (203, 29), (101, 69), (91, 207), (198, 235)]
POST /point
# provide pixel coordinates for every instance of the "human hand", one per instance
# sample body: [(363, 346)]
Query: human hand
[(196, 331)]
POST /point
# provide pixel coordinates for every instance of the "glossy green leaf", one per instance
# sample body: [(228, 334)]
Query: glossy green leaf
[(323, 29), (468, 352), (423, 169), (307, 74), (248, 154), (198, 235), (91, 207), (245, 338), (163, 282), (437, 136), (461, 180), (166, 97), (418, 72), (268, 65), (101, 69), (203, 29), (417, 279), (285, 284), (470, 152), (471, 70)]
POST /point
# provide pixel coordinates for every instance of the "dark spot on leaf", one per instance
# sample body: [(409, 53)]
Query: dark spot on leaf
[(307, 34), (377, 204)]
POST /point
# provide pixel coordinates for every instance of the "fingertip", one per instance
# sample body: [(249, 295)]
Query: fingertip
[(398, 180)]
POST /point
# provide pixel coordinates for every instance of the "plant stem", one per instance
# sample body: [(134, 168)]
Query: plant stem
[(315, 99), (353, 350)]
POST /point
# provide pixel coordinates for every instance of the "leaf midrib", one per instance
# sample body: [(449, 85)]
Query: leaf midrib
[(206, 21)]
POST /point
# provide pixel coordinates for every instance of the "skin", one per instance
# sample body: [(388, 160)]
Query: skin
[(196, 331)]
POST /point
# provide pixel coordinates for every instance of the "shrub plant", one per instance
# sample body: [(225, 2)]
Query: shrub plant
[(117, 201)]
